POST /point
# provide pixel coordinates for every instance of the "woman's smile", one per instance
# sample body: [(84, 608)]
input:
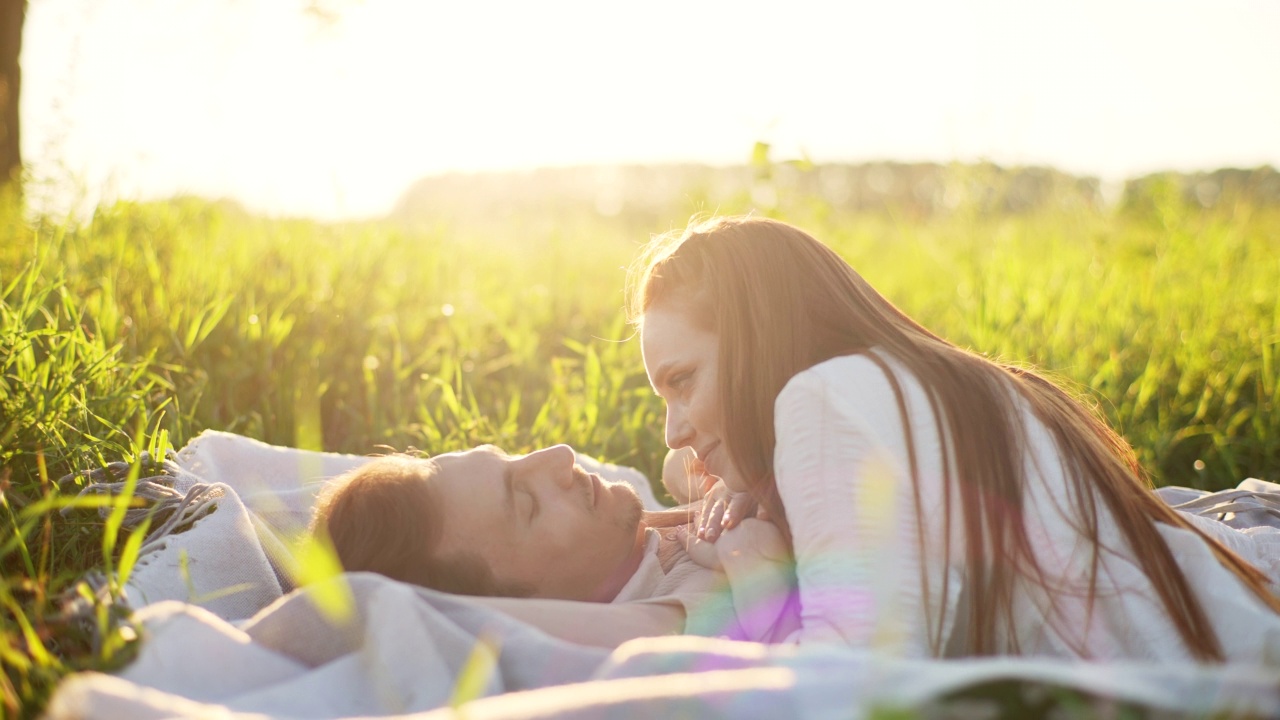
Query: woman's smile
[(683, 360)]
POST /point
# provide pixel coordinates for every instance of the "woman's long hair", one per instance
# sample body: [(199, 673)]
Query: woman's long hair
[(781, 302)]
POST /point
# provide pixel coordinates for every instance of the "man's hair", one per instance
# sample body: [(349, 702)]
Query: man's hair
[(384, 517)]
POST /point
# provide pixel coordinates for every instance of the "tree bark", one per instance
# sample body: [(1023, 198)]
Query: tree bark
[(12, 15)]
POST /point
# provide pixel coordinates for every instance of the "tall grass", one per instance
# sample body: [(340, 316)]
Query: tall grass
[(151, 322)]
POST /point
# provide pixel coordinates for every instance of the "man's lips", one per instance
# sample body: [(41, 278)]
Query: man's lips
[(591, 487)]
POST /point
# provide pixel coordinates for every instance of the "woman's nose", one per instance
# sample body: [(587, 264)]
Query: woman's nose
[(679, 432), (554, 464)]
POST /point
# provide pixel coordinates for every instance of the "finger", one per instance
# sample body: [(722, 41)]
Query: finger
[(708, 480), (712, 526), (709, 500), (704, 514), (704, 520), (700, 552), (684, 535), (740, 505)]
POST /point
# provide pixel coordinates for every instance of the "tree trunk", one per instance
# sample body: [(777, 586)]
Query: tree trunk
[(12, 15)]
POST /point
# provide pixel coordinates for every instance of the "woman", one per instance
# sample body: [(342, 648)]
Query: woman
[(936, 502)]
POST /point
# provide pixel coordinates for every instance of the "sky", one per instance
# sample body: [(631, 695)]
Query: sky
[(334, 114)]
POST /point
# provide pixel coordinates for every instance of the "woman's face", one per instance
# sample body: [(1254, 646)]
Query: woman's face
[(683, 362)]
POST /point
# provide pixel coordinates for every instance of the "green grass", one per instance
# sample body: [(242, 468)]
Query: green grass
[(151, 322)]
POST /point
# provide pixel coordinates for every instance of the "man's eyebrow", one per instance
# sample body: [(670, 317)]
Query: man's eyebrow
[(508, 495)]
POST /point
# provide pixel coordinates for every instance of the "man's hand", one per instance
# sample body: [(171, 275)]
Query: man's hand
[(722, 510)]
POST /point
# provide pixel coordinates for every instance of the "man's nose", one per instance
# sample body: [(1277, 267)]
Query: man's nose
[(551, 464), (679, 432)]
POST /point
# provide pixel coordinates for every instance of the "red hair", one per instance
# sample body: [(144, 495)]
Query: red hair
[(781, 302)]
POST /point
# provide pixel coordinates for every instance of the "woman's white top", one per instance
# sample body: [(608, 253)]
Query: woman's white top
[(843, 473)]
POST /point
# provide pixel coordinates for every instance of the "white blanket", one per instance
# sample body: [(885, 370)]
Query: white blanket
[(404, 652), (237, 560), (408, 650)]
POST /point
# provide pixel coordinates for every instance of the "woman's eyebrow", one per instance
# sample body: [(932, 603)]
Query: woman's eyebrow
[(660, 375)]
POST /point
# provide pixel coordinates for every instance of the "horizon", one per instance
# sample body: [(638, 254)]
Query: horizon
[(1017, 189), (336, 113)]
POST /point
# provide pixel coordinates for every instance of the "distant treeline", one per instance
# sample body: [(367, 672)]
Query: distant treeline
[(917, 189), (1225, 187)]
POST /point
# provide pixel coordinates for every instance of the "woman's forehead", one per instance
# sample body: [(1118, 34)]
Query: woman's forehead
[(668, 328), (663, 320)]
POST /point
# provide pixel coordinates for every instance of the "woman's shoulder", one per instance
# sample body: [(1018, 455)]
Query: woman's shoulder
[(865, 382)]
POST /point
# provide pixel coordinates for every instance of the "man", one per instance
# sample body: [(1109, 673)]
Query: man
[(536, 526)]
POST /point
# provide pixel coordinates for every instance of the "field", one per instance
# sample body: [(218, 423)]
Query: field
[(140, 327)]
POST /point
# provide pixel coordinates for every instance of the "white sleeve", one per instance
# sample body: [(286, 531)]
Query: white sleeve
[(844, 477)]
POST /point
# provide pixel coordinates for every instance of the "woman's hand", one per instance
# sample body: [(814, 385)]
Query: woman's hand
[(722, 510), (700, 551), (748, 543), (755, 559)]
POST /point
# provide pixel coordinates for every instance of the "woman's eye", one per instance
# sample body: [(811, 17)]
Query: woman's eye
[(679, 381), (533, 506)]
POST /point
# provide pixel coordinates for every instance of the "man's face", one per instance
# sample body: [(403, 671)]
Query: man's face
[(538, 520)]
